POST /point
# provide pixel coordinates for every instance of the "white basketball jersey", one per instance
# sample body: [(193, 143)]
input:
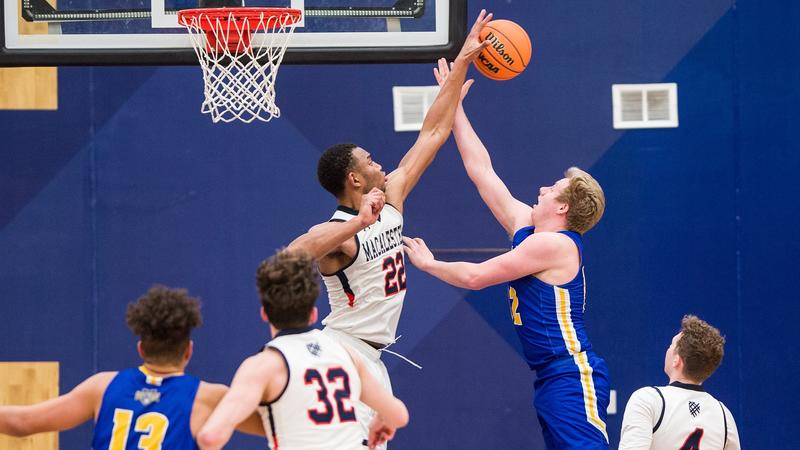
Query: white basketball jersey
[(316, 410), (677, 417), (366, 296)]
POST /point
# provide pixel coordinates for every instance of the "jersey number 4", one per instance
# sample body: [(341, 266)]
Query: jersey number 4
[(323, 414), (693, 440), (154, 426), (395, 279)]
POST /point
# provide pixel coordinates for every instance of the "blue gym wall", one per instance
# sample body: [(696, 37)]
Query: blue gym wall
[(127, 185)]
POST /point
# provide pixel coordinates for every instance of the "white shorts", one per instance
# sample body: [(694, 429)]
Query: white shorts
[(371, 358)]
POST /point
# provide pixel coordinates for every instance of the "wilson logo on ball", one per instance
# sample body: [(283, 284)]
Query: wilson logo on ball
[(509, 50)]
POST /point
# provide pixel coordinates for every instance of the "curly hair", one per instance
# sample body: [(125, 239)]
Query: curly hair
[(288, 285), (701, 347), (585, 199), (163, 318), (333, 166)]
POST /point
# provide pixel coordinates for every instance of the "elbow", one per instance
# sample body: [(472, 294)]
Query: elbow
[(475, 282), (207, 439), (403, 419), (17, 428), (401, 415)]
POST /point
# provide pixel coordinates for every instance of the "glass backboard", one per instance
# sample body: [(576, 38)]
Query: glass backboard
[(146, 32)]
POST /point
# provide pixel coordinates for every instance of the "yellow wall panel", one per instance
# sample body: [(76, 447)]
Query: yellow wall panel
[(29, 87), (24, 383)]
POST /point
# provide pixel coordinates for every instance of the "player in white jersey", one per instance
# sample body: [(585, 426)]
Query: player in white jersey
[(365, 275), (304, 384), (682, 416)]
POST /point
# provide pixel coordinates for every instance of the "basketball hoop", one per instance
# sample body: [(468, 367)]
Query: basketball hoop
[(240, 65)]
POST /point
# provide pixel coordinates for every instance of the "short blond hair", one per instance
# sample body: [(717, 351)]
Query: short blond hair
[(585, 199)]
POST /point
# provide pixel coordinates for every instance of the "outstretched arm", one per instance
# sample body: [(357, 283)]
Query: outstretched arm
[(391, 412), (438, 122), (326, 237), (510, 212), (61, 413), (537, 253), (246, 391)]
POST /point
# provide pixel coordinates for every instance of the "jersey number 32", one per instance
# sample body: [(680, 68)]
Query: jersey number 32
[(335, 377)]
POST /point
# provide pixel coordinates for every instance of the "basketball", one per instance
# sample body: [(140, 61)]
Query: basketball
[(508, 53)]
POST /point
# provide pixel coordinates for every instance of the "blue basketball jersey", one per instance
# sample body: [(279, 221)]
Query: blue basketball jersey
[(549, 319), (572, 387), (140, 411)]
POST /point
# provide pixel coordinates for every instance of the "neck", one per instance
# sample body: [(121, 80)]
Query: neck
[(680, 378), (351, 199), (550, 226), (163, 369)]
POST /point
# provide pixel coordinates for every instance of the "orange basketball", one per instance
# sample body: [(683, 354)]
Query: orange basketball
[(508, 53)]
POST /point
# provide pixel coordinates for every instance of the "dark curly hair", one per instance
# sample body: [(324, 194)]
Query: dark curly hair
[(288, 285), (164, 318), (333, 166), (701, 347)]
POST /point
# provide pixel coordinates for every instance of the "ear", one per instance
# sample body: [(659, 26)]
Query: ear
[(677, 362), (312, 318), (139, 349), (264, 315), (354, 179), (187, 355), (563, 209)]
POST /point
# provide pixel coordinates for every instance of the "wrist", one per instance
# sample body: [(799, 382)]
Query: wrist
[(361, 222)]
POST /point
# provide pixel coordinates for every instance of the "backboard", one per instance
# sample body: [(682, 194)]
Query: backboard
[(146, 32)]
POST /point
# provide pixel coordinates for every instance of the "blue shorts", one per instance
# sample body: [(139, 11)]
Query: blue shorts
[(571, 398)]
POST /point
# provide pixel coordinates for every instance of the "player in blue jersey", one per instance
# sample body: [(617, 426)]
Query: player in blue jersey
[(545, 274), (152, 406)]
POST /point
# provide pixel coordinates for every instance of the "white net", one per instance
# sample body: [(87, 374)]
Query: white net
[(240, 54)]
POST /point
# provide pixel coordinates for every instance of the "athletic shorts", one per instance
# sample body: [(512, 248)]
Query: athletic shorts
[(571, 398), (371, 358)]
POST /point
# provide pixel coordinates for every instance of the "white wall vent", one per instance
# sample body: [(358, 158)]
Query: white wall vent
[(411, 103), (645, 105)]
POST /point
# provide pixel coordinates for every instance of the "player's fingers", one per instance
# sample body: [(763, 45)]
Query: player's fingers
[(479, 21), (466, 87), (443, 66)]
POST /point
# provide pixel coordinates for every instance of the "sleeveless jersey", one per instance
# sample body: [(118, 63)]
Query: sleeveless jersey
[(549, 319), (317, 408), (366, 296), (678, 416), (140, 411)]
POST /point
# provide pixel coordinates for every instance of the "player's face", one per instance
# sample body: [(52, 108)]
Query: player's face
[(547, 203), (371, 171), (670, 356)]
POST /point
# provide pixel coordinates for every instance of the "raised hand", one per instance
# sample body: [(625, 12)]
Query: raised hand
[(443, 71), (473, 45), (371, 205), (418, 253)]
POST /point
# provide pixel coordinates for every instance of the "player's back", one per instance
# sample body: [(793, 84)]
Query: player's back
[(140, 411), (316, 409), (691, 415)]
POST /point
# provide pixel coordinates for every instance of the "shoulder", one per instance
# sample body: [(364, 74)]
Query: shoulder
[(645, 395), (546, 242), (99, 381), (267, 362)]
